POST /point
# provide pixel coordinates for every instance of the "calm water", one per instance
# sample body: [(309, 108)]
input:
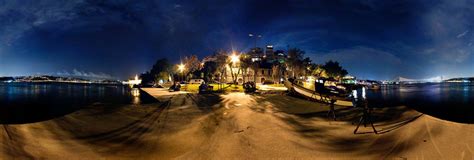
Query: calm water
[(32, 102), (449, 101)]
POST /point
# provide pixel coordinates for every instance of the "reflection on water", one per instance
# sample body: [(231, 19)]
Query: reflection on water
[(136, 95), (451, 101), (30, 102)]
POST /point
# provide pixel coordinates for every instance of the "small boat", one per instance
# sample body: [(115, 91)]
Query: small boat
[(297, 87), (373, 87)]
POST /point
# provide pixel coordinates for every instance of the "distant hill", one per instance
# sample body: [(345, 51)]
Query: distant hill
[(7, 79), (461, 79), (48, 78)]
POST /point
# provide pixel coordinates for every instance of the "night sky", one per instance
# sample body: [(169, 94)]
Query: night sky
[(118, 38)]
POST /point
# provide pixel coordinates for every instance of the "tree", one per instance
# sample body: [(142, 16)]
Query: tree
[(209, 69), (254, 65), (164, 76), (294, 61), (245, 64), (318, 71), (334, 70), (147, 78), (160, 71), (161, 65), (220, 58), (276, 72), (234, 64), (306, 66), (192, 64)]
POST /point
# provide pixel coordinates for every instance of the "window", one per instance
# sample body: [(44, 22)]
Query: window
[(263, 72)]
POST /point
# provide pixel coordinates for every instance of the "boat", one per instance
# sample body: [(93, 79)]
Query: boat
[(373, 87), (297, 87)]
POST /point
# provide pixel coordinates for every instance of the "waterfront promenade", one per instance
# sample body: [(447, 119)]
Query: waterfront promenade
[(235, 126)]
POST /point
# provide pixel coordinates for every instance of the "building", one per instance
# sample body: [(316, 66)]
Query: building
[(263, 73), (256, 54), (269, 52), (268, 67), (349, 79), (133, 82)]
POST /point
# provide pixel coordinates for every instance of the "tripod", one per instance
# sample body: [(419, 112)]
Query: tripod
[(365, 118), (331, 109)]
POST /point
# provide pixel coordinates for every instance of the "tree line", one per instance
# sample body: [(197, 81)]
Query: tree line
[(213, 68)]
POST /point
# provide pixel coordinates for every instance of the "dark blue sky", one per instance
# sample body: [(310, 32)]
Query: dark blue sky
[(118, 38)]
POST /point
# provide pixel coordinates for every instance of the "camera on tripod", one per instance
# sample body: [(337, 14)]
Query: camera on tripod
[(359, 101)]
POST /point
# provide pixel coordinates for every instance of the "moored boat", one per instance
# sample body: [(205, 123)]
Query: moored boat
[(373, 87), (298, 87)]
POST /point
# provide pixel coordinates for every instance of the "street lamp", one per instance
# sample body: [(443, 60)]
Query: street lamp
[(234, 58), (181, 69), (256, 37)]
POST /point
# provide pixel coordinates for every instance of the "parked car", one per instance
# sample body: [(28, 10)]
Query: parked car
[(196, 81), (175, 87)]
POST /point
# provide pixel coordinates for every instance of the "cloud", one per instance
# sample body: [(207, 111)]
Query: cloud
[(448, 24), (462, 34), (83, 74), (18, 17)]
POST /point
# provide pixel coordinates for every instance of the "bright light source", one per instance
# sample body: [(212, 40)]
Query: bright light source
[(234, 58), (181, 67), (134, 81)]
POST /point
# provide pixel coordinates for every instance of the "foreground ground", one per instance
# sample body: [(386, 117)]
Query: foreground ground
[(239, 126)]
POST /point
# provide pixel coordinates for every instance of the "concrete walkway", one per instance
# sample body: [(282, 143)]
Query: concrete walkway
[(234, 126)]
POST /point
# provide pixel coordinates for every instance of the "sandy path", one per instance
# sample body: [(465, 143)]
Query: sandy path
[(235, 126)]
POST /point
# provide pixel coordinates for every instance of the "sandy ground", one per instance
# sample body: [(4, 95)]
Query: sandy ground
[(235, 126)]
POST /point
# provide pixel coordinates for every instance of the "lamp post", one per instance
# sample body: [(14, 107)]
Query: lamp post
[(181, 70), (256, 37), (234, 59)]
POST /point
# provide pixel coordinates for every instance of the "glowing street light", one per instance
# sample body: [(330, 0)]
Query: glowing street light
[(234, 58), (181, 67)]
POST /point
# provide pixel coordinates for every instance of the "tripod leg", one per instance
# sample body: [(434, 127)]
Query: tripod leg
[(358, 125), (333, 112), (372, 123), (329, 111), (365, 118)]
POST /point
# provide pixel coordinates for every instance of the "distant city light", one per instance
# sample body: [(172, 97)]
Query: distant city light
[(134, 81)]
